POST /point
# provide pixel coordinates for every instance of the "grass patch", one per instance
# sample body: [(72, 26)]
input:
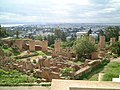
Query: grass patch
[(94, 77), (93, 74), (14, 77), (112, 71), (78, 62), (10, 51), (41, 53)]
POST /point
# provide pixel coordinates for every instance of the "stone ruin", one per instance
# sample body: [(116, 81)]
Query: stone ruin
[(101, 42), (59, 51), (112, 40), (46, 68), (32, 45), (50, 69)]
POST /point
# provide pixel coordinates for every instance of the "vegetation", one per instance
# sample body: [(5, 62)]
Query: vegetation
[(112, 71), (84, 47), (14, 77), (115, 48), (67, 44), (41, 53), (51, 39), (93, 74), (89, 32), (17, 34), (66, 71), (9, 51), (39, 37), (60, 34), (3, 32), (112, 31)]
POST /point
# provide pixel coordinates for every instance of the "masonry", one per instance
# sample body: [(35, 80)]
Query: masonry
[(32, 45), (83, 85)]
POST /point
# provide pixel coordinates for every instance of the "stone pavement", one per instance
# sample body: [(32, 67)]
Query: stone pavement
[(83, 85)]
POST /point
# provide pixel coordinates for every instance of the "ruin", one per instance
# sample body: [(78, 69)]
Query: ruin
[(112, 40), (102, 42), (44, 67)]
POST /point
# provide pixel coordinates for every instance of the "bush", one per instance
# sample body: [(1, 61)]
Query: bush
[(84, 47), (66, 71)]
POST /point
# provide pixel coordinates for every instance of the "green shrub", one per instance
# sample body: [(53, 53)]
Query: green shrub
[(66, 71)]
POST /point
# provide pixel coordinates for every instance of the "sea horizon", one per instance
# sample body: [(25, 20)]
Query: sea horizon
[(21, 24)]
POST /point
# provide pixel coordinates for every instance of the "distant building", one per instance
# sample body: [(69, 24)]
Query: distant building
[(94, 35), (79, 34)]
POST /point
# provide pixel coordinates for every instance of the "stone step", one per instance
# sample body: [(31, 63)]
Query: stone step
[(115, 79)]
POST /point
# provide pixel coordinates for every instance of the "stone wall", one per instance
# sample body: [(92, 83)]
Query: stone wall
[(19, 44)]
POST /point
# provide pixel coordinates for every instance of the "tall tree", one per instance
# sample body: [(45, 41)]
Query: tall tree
[(101, 32), (83, 47), (60, 34), (3, 32), (57, 32), (51, 39), (90, 31), (63, 36), (17, 34), (112, 31)]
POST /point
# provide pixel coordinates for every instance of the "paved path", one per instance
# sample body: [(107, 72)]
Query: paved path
[(66, 84), (115, 59), (24, 88)]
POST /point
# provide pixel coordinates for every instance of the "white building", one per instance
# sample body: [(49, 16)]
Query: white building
[(84, 33), (79, 34)]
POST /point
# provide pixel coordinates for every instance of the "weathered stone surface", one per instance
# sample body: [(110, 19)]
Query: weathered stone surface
[(39, 80), (46, 74), (38, 73), (112, 40), (94, 55), (102, 42), (32, 45), (54, 75), (46, 63), (57, 45), (76, 67), (29, 66), (55, 69), (19, 44)]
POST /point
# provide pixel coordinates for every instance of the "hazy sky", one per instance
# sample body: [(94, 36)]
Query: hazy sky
[(66, 11)]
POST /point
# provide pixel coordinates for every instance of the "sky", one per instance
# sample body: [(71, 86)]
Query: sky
[(59, 11)]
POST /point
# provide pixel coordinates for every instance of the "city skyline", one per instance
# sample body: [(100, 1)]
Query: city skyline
[(60, 11)]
